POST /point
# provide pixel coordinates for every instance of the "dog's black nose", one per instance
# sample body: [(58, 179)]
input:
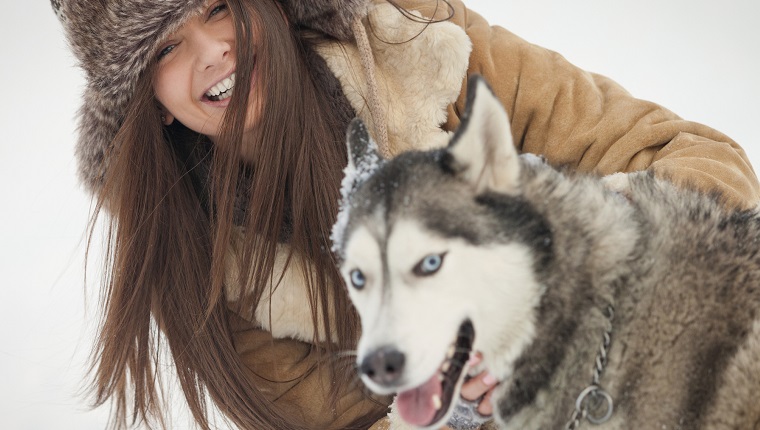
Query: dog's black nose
[(383, 366)]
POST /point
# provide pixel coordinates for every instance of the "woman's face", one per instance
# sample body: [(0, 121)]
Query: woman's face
[(195, 76)]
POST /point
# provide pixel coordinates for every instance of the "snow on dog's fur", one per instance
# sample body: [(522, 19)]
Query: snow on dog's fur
[(473, 247)]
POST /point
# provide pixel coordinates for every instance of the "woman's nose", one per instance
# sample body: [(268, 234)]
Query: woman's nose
[(212, 49)]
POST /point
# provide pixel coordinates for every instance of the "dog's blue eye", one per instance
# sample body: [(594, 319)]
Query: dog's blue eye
[(429, 265), (357, 279)]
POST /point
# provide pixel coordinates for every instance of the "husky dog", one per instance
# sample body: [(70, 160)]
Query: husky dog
[(638, 309)]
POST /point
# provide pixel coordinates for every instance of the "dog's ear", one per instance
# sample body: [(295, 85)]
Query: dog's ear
[(482, 150), (363, 160), (363, 156), (361, 147)]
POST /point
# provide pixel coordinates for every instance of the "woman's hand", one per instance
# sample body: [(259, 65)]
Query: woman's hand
[(477, 390), (480, 386)]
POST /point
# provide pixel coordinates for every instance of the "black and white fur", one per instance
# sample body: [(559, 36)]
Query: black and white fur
[(523, 262)]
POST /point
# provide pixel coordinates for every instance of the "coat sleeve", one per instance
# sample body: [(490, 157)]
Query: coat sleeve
[(296, 378), (589, 123)]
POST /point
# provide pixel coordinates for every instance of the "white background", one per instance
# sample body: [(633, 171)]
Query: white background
[(696, 57)]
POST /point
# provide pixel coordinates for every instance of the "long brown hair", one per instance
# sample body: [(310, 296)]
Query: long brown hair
[(168, 234)]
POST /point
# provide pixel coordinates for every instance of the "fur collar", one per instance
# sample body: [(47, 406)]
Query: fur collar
[(417, 78)]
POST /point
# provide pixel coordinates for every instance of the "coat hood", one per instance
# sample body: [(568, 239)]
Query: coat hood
[(114, 40)]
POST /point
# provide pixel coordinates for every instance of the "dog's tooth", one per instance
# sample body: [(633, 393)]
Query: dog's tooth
[(445, 366), (452, 350), (437, 402)]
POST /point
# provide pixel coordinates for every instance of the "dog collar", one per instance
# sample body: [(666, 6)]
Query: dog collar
[(593, 397)]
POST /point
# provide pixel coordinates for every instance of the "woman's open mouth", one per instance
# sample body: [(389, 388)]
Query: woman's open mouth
[(428, 403), (222, 90)]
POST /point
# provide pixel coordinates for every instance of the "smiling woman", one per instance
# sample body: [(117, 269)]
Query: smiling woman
[(196, 72), (212, 136), (175, 209)]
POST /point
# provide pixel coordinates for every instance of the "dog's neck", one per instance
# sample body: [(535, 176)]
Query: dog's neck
[(594, 403), (575, 331), (573, 320), (547, 361)]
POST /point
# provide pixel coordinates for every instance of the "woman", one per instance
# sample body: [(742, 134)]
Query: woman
[(220, 186)]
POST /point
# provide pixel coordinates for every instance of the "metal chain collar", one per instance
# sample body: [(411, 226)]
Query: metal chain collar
[(594, 395)]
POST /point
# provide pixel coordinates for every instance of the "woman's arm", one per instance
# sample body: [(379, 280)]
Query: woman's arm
[(297, 379), (589, 123)]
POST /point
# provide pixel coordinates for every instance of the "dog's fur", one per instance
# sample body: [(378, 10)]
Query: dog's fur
[(533, 258)]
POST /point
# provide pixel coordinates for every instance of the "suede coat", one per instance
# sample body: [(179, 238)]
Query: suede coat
[(571, 117)]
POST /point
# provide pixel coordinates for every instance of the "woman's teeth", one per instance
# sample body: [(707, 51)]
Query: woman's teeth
[(222, 90)]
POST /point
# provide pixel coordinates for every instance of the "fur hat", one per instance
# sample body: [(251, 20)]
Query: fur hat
[(113, 41)]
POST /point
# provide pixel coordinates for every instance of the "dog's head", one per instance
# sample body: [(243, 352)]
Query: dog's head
[(439, 254)]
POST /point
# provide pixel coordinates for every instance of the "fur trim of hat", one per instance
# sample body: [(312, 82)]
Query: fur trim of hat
[(114, 40)]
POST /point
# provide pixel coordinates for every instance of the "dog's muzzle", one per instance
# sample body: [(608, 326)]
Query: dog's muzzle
[(430, 402)]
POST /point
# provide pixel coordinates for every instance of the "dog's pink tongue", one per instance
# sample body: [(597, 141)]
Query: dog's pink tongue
[(416, 406)]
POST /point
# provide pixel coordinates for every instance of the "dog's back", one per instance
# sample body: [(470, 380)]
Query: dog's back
[(689, 333), (681, 275)]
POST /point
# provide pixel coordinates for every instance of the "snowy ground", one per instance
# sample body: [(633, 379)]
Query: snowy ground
[(696, 57)]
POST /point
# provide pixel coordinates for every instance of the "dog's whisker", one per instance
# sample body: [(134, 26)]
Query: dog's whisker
[(351, 352), (349, 366), (356, 383), (346, 353), (343, 355)]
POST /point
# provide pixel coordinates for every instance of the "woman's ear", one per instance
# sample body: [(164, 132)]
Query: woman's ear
[(166, 118)]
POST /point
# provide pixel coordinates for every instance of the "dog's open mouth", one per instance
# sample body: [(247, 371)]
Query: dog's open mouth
[(428, 403)]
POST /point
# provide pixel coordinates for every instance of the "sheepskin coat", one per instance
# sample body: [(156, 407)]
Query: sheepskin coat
[(571, 117)]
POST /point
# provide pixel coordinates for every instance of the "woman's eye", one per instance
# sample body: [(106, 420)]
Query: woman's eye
[(221, 7), (429, 265), (165, 51), (357, 279)]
